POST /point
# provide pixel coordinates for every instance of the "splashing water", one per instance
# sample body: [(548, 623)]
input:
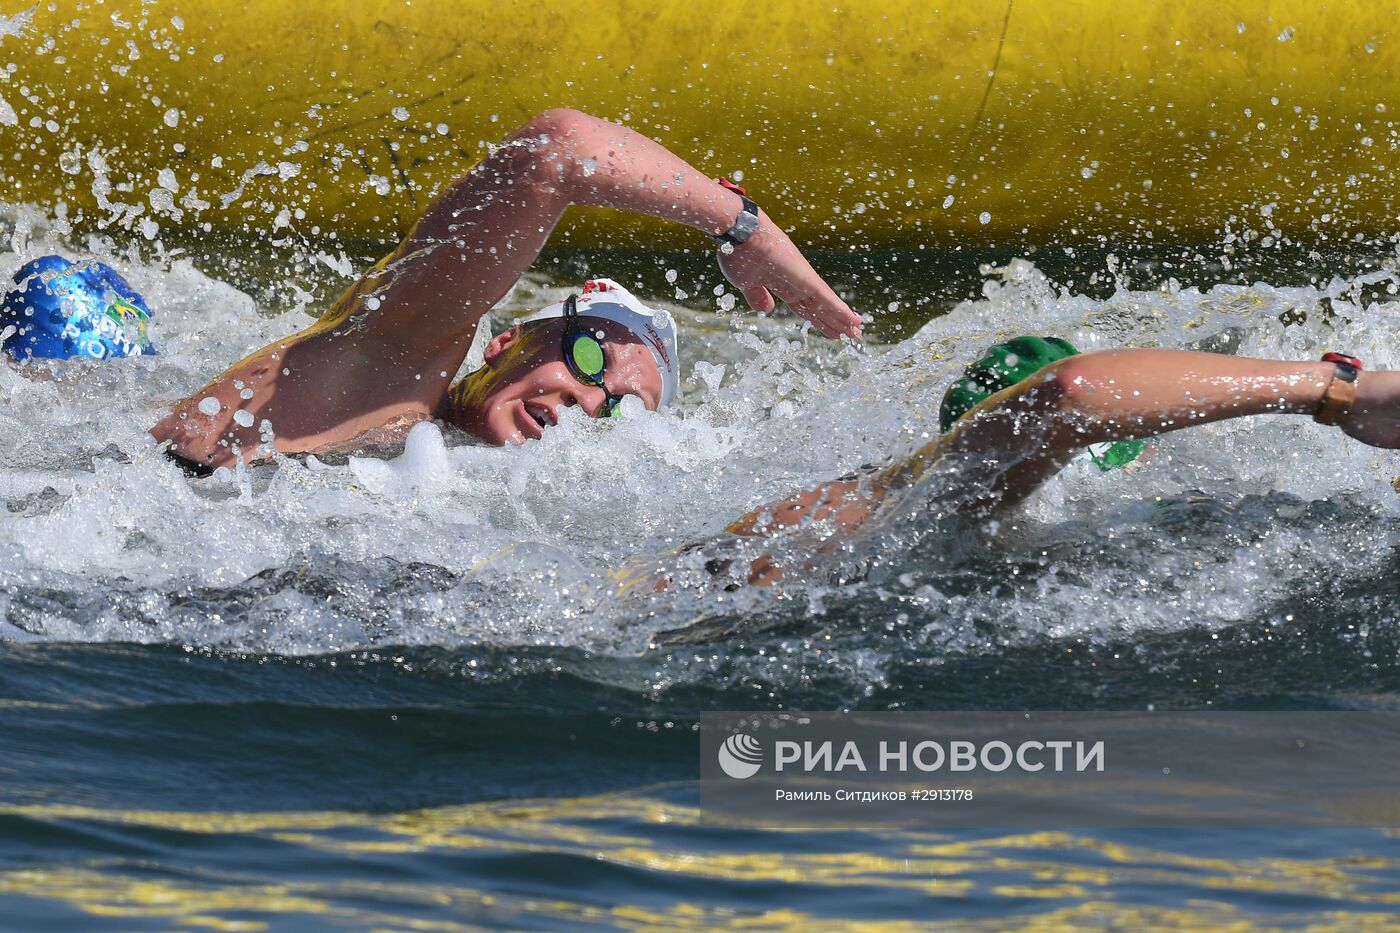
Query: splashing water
[(17, 24), (446, 543)]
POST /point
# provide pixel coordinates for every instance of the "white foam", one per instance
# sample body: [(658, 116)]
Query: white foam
[(94, 510)]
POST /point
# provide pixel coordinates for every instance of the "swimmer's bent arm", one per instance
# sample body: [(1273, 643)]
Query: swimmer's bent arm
[(1014, 441)]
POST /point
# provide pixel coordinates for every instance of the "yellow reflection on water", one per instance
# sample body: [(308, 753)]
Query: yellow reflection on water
[(1047, 881)]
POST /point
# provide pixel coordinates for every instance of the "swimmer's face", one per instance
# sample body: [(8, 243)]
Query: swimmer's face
[(525, 383)]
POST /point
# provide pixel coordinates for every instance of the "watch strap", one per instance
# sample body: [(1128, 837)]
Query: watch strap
[(746, 224), (1340, 393)]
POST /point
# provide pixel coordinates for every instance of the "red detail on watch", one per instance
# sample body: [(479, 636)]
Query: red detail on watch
[(726, 183), (1342, 358)]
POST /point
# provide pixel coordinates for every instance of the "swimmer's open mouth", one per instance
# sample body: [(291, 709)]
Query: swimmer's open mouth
[(542, 415)]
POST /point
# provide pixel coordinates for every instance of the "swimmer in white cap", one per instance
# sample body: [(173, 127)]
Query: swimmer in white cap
[(599, 336), (383, 357)]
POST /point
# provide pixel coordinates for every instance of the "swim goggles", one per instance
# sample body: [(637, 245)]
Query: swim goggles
[(583, 354)]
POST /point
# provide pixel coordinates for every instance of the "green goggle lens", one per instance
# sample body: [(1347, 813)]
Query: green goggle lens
[(584, 356), (588, 355)]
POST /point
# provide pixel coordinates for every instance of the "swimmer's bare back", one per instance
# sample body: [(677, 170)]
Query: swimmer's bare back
[(384, 355)]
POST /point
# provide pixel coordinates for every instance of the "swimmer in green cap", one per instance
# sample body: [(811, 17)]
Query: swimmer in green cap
[(1013, 438), (383, 357)]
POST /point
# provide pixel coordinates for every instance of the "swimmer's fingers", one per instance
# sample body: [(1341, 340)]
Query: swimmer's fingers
[(828, 313), (760, 299)]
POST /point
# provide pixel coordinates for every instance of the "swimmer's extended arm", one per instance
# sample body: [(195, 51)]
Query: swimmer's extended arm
[(1017, 439), (475, 241)]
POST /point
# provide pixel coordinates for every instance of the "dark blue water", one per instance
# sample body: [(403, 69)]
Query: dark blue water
[(158, 787)]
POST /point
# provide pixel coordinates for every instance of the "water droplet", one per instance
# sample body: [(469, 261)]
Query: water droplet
[(246, 394), (984, 218), (671, 276), (209, 406), (371, 302), (948, 202), (401, 114), (442, 129), (244, 418), (70, 162), (172, 117), (1287, 34), (590, 165)]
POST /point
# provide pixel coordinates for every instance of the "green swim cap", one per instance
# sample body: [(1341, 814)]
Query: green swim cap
[(1006, 364), (1003, 365)]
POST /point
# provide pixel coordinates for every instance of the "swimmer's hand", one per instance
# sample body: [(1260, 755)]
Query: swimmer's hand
[(1375, 416), (769, 264)]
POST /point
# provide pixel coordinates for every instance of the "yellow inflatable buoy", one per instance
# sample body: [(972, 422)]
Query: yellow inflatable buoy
[(862, 123)]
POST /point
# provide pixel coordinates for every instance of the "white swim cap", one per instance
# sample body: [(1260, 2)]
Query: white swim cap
[(654, 327)]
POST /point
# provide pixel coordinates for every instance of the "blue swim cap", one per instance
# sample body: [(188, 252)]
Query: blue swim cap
[(61, 309)]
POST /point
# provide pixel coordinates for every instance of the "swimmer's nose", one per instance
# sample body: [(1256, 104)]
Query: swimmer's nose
[(590, 398)]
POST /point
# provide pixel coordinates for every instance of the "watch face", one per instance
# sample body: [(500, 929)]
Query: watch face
[(745, 225)]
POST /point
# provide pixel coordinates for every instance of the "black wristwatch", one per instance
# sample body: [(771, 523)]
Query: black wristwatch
[(746, 224)]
